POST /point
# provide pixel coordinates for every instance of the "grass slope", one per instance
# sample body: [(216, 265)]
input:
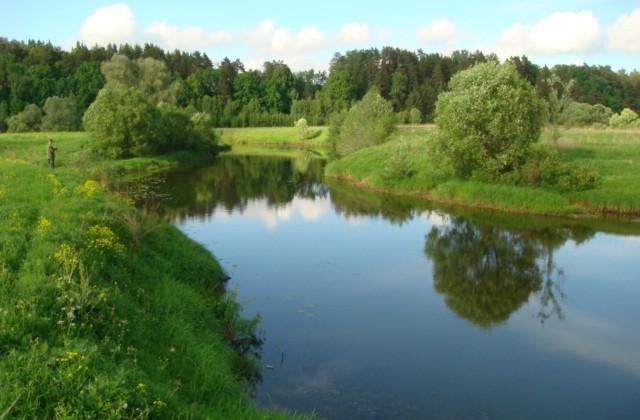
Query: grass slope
[(403, 166), (106, 312)]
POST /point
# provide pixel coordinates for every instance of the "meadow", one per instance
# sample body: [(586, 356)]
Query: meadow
[(404, 165), (273, 136), (105, 311)]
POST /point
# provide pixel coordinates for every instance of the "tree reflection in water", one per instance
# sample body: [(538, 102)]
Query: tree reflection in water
[(486, 266), (486, 271)]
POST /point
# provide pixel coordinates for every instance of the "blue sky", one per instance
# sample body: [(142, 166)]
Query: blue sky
[(306, 34)]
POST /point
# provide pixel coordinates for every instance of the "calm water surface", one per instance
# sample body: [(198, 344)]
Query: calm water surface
[(375, 307)]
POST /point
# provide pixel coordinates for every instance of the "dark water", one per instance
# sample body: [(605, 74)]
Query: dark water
[(375, 307)]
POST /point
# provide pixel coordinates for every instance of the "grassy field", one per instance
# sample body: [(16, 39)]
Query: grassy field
[(403, 166), (106, 312), (275, 136)]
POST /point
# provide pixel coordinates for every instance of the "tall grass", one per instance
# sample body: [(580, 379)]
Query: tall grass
[(106, 312)]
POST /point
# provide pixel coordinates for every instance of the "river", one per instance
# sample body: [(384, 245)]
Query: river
[(393, 308)]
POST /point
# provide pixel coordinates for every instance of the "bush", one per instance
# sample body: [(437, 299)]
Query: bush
[(61, 114), (488, 120), (415, 116), (123, 123), (302, 128), (335, 125), (578, 114), (368, 122), (626, 119), (27, 120), (546, 168)]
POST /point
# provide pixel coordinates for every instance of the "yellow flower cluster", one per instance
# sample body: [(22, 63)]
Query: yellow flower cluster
[(56, 185), (43, 226), (103, 239), (159, 403), (66, 256), (89, 188), (70, 356)]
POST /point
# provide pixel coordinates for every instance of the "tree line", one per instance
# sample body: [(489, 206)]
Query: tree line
[(45, 87)]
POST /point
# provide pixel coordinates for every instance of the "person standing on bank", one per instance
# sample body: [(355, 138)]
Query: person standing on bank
[(51, 153)]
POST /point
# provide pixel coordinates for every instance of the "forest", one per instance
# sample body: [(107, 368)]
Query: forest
[(51, 88)]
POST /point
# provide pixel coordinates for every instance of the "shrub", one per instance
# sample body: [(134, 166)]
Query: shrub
[(546, 168), (578, 114), (302, 128), (626, 119), (368, 122), (27, 120), (61, 114), (335, 125), (415, 116), (488, 120)]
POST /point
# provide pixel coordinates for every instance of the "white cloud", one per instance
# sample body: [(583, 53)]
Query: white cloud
[(354, 33), (267, 37), (625, 33), (441, 31), (272, 216), (558, 33), (268, 42), (190, 38), (109, 24)]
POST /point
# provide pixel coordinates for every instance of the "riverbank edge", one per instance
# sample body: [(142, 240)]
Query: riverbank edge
[(74, 184), (585, 212)]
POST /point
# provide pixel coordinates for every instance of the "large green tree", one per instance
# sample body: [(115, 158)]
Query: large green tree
[(27, 120), (60, 114), (123, 123), (488, 120)]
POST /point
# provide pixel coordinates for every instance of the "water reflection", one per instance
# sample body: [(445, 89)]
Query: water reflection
[(233, 182), (364, 294), (487, 272)]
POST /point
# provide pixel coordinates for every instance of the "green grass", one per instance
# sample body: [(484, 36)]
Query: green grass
[(106, 312), (273, 136), (404, 166)]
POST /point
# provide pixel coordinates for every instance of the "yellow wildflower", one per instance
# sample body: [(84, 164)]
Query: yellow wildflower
[(43, 226)]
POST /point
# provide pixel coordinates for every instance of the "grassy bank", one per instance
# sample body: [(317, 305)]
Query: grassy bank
[(273, 136), (404, 166), (106, 312)]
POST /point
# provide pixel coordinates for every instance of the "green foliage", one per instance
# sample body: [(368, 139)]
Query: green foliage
[(625, 119), (415, 116), (578, 114), (335, 126), (60, 114), (488, 120), (150, 76), (369, 122), (27, 120), (4, 114), (108, 312), (123, 123), (545, 167), (302, 128), (591, 171)]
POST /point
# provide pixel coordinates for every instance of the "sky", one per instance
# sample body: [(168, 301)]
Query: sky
[(307, 34)]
